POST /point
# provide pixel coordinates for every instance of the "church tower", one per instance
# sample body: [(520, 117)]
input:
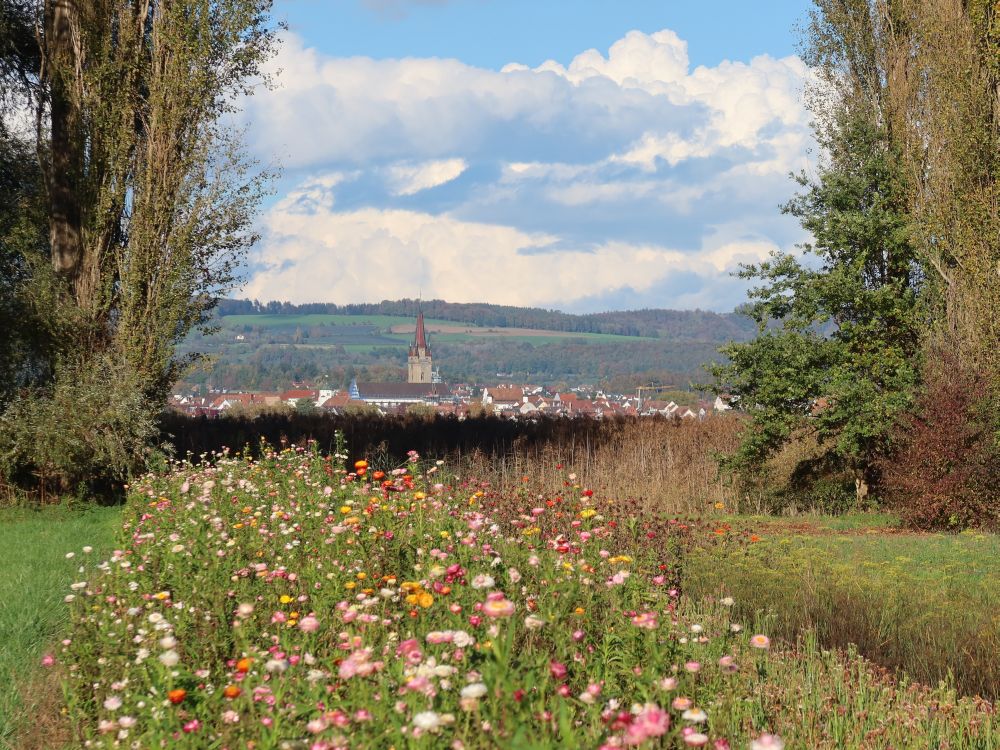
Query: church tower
[(419, 362)]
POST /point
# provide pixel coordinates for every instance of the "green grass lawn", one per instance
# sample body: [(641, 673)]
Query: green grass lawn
[(36, 576), (925, 604)]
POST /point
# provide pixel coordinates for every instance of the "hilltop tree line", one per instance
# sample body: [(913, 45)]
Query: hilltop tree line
[(881, 348), (699, 325)]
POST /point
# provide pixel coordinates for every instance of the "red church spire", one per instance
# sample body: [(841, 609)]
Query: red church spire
[(420, 339)]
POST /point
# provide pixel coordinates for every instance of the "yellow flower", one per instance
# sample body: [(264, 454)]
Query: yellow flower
[(362, 576), (424, 599), (419, 495), (162, 595), (531, 530), (578, 611), (445, 534), (350, 585), (588, 513), (345, 509), (285, 599), (620, 559)]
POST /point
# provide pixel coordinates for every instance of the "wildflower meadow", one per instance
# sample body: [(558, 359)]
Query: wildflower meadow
[(316, 602)]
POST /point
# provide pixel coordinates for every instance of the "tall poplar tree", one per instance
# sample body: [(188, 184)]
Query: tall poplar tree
[(149, 200)]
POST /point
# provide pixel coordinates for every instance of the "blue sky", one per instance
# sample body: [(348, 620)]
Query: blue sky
[(576, 155), (492, 33)]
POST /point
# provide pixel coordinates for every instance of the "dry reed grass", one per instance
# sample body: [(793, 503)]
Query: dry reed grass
[(664, 465)]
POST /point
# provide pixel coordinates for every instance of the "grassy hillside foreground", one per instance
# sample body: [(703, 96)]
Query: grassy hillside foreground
[(286, 604)]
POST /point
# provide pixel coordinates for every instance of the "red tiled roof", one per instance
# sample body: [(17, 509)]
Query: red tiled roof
[(506, 394), (295, 394)]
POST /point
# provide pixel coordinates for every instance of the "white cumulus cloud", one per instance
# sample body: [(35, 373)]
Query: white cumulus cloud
[(610, 172), (408, 179), (315, 252)]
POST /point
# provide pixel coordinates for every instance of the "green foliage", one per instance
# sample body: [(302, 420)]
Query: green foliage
[(22, 247), (87, 431), (840, 331), (148, 200), (306, 406)]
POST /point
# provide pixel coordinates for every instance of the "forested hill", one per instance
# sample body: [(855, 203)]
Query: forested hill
[(690, 325)]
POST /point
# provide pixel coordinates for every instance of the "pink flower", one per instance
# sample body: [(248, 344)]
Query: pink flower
[(48, 660), (760, 641), (558, 670), (768, 742), (192, 726), (651, 721), (497, 605), (727, 664), (410, 650), (309, 624), (645, 620)]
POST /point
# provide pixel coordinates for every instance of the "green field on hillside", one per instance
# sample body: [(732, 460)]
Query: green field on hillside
[(236, 323), (291, 321)]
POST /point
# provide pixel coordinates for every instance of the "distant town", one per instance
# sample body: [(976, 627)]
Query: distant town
[(425, 391)]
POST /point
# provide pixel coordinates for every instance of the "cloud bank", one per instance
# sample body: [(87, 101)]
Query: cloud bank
[(623, 179)]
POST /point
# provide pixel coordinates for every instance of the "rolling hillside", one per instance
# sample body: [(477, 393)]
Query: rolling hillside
[(265, 346)]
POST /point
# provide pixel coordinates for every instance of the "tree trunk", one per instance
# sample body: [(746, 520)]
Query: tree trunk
[(62, 61), (861, 487)]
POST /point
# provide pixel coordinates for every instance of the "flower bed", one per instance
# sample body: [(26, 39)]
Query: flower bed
[(287, 603)]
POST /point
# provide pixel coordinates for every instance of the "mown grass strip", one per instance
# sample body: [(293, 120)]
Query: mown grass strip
[(925, 604), (34, 574)]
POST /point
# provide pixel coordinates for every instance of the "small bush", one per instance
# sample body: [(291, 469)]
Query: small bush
[(946, 471), (85, 434)]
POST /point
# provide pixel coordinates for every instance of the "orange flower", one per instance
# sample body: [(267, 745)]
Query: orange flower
[(378, 475), (177, 695), (232, 691), (243, 665), (754, 538), (360, 465)]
